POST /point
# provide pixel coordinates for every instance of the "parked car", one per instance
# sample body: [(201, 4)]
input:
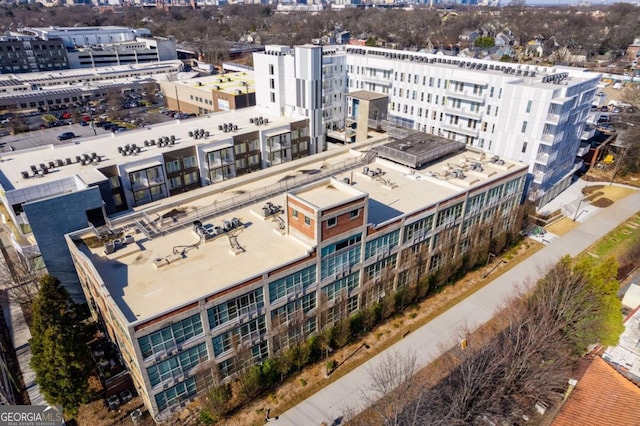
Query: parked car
[(66, 136)]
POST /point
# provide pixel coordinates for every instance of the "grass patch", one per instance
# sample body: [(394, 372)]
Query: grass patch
[(616, 242)]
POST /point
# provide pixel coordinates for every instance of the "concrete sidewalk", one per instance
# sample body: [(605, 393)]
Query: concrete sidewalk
[(20, 335), (349, 393)]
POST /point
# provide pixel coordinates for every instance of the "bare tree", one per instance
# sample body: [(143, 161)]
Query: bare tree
[(527, 358), (19, 276), (392, 385)]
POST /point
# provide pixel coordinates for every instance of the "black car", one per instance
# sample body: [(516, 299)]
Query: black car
[(66, 136)]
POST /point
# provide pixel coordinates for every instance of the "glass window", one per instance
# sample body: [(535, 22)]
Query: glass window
[(176, 394), (417, 230), (189, 162), (170, 336), (449, 215), (341, 262), (291, 310), (247, 332), (173, 166), (177, 365), (332, 222), (175, 182), (236, 308), (293, 283), (381, 245), (190, 178), (350, 283), (375, 271)]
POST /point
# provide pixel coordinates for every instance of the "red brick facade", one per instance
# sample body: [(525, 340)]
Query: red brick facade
[(296, 217), (344, 223)]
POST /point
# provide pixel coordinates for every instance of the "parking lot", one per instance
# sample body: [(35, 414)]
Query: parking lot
[(49, 135)]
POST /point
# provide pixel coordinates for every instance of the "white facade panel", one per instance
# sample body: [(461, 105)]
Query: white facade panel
[(534, 114)]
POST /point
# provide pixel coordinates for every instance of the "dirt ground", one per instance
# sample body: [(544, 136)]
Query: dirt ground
[(561, 226), (312, 378)]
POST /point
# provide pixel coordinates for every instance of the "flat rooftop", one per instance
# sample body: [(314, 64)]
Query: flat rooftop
[(544, 77), (417, 149), (367, 95), (106, 147), (230, 83), (142, 290), (84, 73)]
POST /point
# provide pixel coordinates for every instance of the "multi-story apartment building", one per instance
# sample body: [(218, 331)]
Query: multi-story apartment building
[(532, 113), (66, 87), (90, 47), (21, 54), (288, 83), (202, 287), (139, 51), (104, 176)]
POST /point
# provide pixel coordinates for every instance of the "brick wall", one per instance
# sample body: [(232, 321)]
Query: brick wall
[(344, 223), (298, 223)]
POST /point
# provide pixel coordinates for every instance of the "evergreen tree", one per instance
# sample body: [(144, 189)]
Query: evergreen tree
[(60, 357)]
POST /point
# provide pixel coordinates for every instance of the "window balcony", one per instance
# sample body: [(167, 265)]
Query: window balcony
[(550, 139), (278, 146), (458, 128), (588, 133), (467, 95), (553, 118), (462, 112), (583, 150), (542, 158), (376, 80), (539, 177)]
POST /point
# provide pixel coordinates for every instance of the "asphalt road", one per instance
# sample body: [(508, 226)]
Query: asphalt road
[(350, 393)]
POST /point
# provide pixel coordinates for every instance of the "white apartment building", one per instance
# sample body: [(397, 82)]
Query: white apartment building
[(531, 113), (292, 84), (87, 36)]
